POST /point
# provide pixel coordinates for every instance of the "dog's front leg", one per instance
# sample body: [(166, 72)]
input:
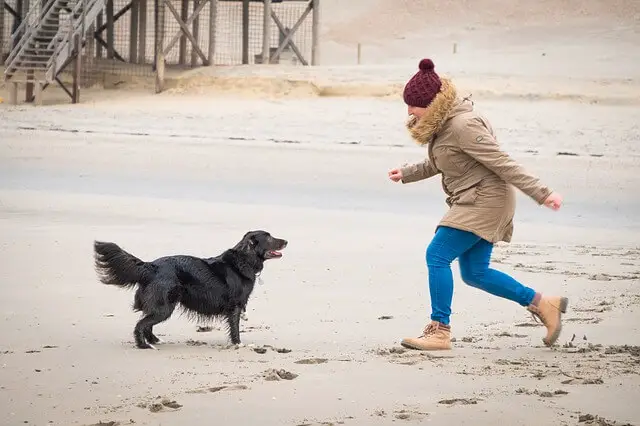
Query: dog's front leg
[(233, 318)]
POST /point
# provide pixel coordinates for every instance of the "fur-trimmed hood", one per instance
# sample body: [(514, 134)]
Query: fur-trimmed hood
[(444, 106)]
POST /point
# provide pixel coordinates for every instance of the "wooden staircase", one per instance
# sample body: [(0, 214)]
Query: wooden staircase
[(48, 40)]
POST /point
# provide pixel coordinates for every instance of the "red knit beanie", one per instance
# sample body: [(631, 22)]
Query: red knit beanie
[(423, 86)]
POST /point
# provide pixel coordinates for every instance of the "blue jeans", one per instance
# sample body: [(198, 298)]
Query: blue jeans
[(474, 256)]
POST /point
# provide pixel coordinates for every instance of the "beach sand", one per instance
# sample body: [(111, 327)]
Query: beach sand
[(191, 170)]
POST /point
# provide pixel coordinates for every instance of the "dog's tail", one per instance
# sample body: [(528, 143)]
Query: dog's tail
[(117, 267)]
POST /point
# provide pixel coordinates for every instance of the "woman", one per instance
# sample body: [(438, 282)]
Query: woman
[(478, 179)]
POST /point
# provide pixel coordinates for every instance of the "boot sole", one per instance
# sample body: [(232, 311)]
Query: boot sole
[(416, 348), (564, 302)]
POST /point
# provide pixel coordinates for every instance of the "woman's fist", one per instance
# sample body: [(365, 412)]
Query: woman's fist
[(395, 175)]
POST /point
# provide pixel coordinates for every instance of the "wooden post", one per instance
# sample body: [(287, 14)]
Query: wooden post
[(2, 31), (266, 32), (29, 87), (245, 31), (99, 22), (110, 34), (142, 38), (182, 54), (37, 99), (213, 15), (13, 93), (195, 32), (77, 46), (315, 31), (156, 6), (133, 31), (90, 50), (160, 46), (16, 22), (30, 76)]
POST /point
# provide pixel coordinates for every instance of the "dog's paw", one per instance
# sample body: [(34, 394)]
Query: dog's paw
[(236, 346)]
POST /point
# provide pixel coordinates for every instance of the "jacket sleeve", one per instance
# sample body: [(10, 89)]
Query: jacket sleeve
[(418, 171), (476, 140)]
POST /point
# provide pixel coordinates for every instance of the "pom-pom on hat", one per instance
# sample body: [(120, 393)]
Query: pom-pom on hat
[(423, 86)]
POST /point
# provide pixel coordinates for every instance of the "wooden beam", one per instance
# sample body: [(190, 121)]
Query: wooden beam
[(184, 14), (176, 36), (156, 4), (90, 51), (77, 46), (142, 38), (185, 28), (195, 30), (287, 39), (13, 93), (61, 84), (19, 13), (103, 43), (159, 44), (213, 16), (29, 86), (11, 10), (110, 30), (121, 12), (315, 33), (37, 96), (2, 2), (99, 21), (266, 32), (133, 31), (245, 31)]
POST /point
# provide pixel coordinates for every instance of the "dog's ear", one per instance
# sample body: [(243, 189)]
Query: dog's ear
[(251, 239)]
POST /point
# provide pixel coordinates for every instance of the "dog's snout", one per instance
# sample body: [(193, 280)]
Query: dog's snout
[(284, 243)]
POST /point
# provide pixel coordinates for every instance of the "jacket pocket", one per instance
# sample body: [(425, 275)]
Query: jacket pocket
[(466, 197)]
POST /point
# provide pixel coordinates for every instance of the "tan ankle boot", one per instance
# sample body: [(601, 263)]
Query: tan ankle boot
[(435, 337), (549, 311)]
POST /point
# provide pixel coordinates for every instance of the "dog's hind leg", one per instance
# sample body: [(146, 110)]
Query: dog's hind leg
[(233, 320), (144, 326)]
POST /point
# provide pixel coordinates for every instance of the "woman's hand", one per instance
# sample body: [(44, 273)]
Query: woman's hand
[(395, 175), (553, 201)]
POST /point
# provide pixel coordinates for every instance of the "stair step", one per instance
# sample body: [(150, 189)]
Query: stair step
[(52, 25), (43, 32), (38, 52), (34, 59), (30, 65)]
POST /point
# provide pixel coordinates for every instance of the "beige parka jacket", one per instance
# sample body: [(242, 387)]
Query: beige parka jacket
[(477, 175)]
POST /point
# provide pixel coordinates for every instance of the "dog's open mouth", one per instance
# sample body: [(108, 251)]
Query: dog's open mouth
[(273, 254)]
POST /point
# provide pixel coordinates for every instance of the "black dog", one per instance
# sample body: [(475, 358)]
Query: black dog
[(204, 287)]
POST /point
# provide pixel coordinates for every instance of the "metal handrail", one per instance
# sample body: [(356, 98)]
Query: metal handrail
[(78, 27), (31, 12), (82, 12), (30, 30)]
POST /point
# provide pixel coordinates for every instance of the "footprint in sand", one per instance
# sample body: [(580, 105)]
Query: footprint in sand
[(459, 401), (407, 413), (276, 375), (162, 405), (312, 361), (542, 394)]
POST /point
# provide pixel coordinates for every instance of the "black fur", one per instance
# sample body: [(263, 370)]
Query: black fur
[(204, 287)]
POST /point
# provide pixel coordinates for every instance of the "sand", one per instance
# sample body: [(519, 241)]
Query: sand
[(190, 170)]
